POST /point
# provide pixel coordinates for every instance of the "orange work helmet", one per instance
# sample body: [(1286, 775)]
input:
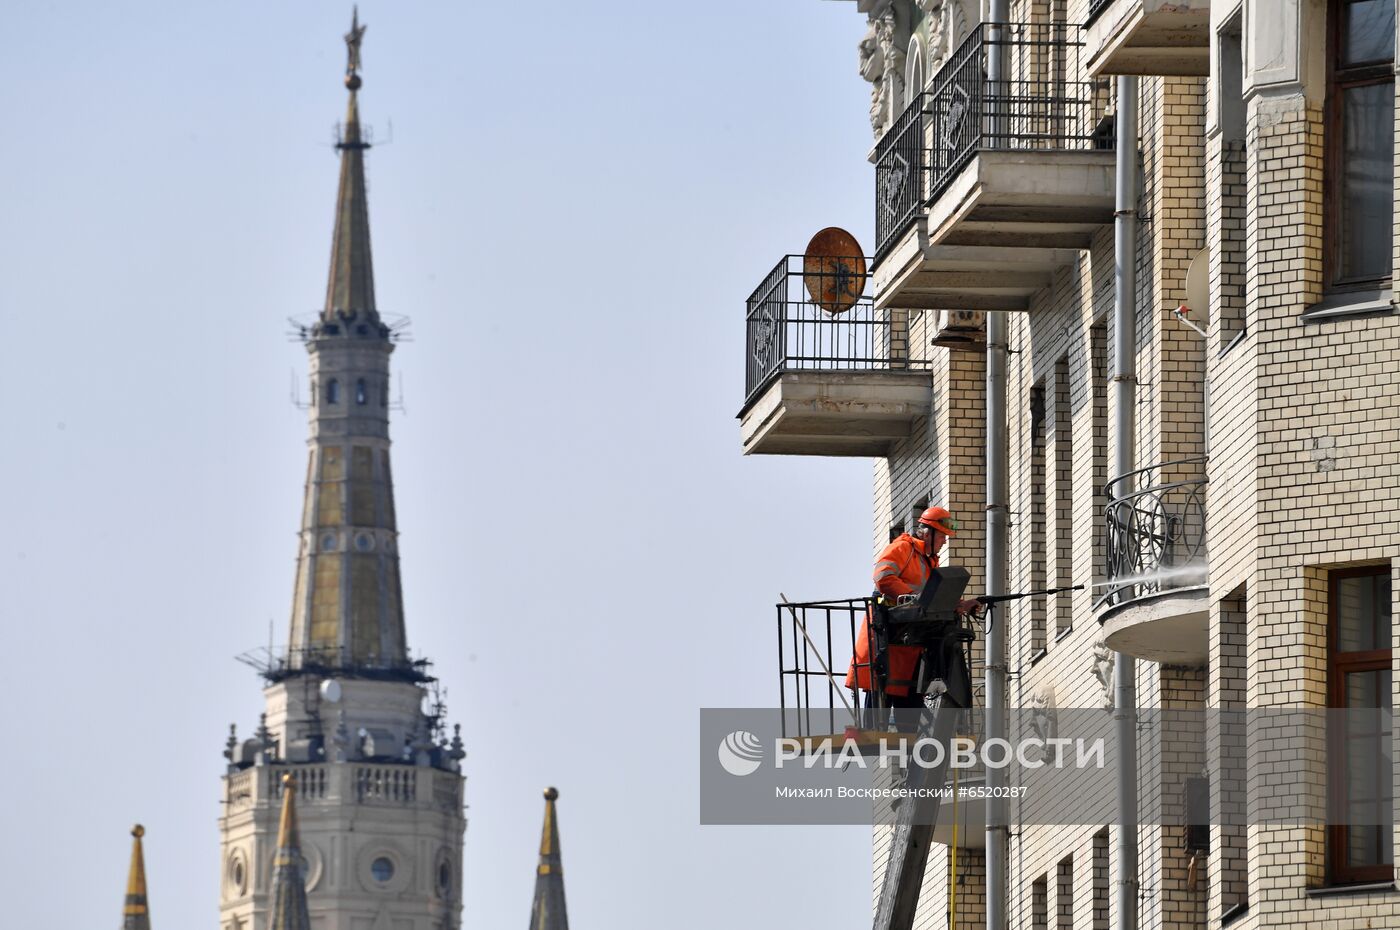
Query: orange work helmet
[(941, 520)]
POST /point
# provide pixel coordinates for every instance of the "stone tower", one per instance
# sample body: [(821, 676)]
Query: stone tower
[(350, 719)]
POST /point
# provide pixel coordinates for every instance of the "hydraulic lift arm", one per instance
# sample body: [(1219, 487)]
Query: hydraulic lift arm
[(918, 816), (914, 826)]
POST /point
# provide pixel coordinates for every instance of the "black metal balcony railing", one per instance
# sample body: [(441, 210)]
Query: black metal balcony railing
[(786, 330), (962, 113), (1156, 530)]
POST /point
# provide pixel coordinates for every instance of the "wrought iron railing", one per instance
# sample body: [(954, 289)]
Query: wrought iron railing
[(786, 329), (1096, 7), (1156, 530), (1037, 107)]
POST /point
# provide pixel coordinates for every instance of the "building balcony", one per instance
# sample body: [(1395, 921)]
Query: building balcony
[(1148, 37), (826, 372), (984, 188), (1158, 599)]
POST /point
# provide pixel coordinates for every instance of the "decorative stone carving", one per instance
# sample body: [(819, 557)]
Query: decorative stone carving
[(1041, 723), (948, 24), (1103, 671), (872, 68), (892, 50)]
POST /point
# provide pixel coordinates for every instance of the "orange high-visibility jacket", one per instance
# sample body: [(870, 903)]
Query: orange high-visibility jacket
[(902, 568)]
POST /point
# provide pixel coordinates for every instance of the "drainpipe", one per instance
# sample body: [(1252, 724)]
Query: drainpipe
[(998, 501), (1124, 398)]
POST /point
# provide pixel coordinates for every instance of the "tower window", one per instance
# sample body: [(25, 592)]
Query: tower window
[(382, 869), (332, 391), (361, 393)]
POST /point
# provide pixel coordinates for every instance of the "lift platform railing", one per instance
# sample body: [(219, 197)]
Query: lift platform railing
[(816, 649), (821, 673)]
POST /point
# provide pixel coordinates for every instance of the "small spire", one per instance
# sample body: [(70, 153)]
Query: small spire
[(351, 288), (548, 911), (136, 914), (289, 910)]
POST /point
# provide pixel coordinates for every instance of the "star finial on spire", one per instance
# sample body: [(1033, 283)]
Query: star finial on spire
[(352, 50)]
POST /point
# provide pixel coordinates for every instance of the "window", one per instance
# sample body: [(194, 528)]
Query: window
[(382, 869), (332, 391), (361, 393), (1360, 167), (914, 72), (1360, 845)]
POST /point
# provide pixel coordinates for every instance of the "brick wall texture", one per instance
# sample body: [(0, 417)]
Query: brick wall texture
[(1301, 424)]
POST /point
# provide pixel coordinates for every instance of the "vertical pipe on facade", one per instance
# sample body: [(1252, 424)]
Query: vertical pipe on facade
[(1125, 428), (998, 505)]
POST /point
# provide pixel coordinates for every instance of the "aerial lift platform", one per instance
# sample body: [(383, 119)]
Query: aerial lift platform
[(932, 622)]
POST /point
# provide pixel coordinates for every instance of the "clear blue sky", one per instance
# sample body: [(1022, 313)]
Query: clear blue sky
[(576, 201)]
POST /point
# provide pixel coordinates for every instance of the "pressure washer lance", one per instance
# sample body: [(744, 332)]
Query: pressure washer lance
[(991, 600)]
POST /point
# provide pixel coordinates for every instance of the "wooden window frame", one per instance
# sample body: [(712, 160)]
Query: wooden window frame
[(1339, 664), (1340, 79)]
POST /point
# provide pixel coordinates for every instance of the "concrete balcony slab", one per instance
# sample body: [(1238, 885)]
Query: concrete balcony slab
[(1171, 626), (842, 413), (1051, 199), (1169, 37), (918, 276)]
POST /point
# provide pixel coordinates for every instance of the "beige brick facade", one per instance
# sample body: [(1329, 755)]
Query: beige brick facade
[(1301, 422)]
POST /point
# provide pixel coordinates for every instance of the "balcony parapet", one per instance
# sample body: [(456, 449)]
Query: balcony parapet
[(379, 784), (1157, 597), (826, 375), (1169, 37), (963, 115)]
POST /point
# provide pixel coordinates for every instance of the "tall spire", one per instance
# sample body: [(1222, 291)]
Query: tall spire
[(136, 914), (548, 911), (350, 291), (347, 610), (288, 884)]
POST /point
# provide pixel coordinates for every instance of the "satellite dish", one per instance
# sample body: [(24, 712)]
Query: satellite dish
[(330, 691), (833, 269)]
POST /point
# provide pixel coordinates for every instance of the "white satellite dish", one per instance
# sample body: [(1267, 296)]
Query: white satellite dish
[(330, 691)]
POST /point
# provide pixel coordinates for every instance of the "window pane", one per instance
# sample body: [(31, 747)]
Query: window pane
[(1368, 770), (1363, 613), (1367, 181), (1368, 31)]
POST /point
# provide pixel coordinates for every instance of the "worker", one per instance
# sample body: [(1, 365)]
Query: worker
[(904, 566)]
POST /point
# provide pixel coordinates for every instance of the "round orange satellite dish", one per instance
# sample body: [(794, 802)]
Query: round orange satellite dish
[(833, 269)]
